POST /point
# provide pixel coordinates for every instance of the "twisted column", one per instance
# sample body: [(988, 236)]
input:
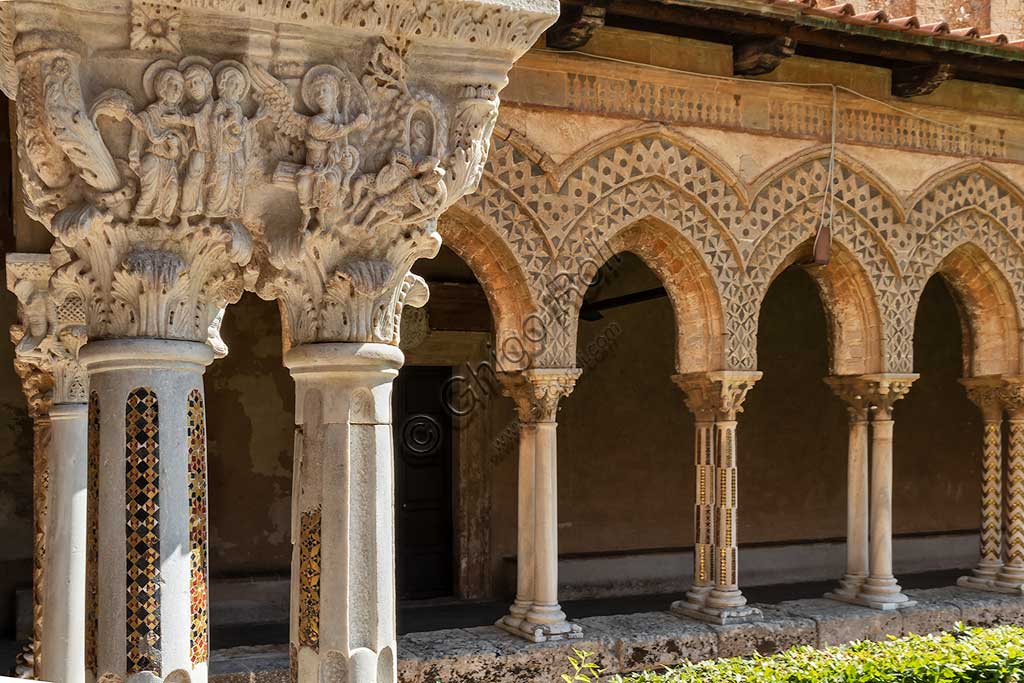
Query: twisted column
[(1010, 577), (721, 395), (987, 394), (852, 391), (537, 393)]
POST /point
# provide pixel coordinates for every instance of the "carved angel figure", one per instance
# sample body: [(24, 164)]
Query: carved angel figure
[(331, 161)]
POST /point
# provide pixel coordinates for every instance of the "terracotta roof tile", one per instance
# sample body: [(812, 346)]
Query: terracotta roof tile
[(848, 12)]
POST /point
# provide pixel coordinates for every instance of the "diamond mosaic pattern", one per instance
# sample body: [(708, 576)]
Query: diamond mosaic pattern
[(199, 637), (142, 508)]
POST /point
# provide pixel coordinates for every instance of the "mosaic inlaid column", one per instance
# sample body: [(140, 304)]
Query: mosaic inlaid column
[(722, 394), (516, 386), (881, 590), (47, 342), (852, 390), (343, 567), (697, 391), (987, 394), (148, 619), (1011, 576)]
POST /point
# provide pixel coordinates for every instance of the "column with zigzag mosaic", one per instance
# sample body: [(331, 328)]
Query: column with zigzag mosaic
[(987, 394), (1011, 576)]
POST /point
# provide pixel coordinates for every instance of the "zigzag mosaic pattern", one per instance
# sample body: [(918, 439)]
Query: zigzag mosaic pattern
[(142, 510), (309, 579)]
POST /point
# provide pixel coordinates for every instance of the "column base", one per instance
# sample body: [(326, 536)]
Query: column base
[(540, 633), (876, 593), (848, 588), (975, 583), (721, 616), (1010, 580), (516, 616)]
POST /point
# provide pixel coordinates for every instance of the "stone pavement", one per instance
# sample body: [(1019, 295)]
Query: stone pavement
[(632, 642)]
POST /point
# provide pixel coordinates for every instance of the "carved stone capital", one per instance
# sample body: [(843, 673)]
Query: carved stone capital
[(716, 395), (883, 390), (1013, 396), (48, 336), (537, 392), (183, 151), (855, 392), (987, 393)]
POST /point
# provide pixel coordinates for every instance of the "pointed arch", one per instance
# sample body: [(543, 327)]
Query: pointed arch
[(499, 272), (691, 288), (984, 267), (971, 185)]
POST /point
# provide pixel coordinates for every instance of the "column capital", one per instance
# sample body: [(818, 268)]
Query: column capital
[(988, 394), (47, 337), (716, 395), (536, 392), (876, 391), (182, 151), (1013, 396)]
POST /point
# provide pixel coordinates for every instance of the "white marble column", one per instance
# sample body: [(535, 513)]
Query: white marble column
[(852, 392), (1010, 577), (149, 618), (537, 393), (516, 387), (46, 346), (881, 590), (722, 394), (986, 393), (63, 638), (343, 615)]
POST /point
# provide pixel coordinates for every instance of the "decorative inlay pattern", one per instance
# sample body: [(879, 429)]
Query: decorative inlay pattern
[(92, 532), (197, 533), (309, 579), (991, 493), (142, 509), (1015, 498)]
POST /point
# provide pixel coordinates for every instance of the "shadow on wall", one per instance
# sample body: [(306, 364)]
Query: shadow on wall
[(938, 435)]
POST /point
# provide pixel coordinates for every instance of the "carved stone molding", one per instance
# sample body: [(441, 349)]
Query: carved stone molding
[(48, 336), (537, 392), (716, 395)]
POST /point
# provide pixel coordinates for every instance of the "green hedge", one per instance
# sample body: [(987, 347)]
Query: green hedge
[(975, 655)]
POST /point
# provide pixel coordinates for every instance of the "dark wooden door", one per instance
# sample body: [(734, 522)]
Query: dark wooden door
[(423, 480)]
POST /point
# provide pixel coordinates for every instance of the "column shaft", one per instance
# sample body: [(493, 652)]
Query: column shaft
[(991, 546), (526, 516), (857, 508), (1011, 575), (344, 617), (63, 638), (150, 607), (726, 591), (880, 589)]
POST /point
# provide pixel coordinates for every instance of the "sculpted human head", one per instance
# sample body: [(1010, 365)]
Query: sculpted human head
[(198, 82), (170, 86), (325, 92), (231, 84)]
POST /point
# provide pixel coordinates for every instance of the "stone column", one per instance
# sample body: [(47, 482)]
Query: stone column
[(536, 614), (881, 590), (987, 394), (47, 343), (695, 388), (149, 617), (720, 394), (1010, 578), (515, 386), (343, 616), (853, 392)]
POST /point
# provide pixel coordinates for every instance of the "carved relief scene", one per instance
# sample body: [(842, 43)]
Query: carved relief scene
[(395, 340)]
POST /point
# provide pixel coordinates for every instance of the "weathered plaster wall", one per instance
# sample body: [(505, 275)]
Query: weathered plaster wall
[(15, 478)]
